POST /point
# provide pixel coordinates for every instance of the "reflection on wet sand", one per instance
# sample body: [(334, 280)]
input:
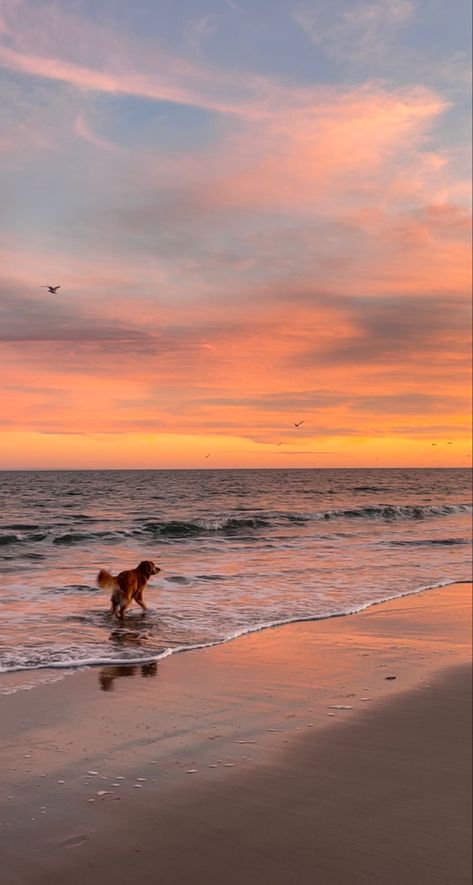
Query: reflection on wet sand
[(107, 675), (121, 636), (126, 637)]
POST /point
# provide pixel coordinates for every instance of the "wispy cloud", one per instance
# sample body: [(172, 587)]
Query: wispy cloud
[(83, 129), (357, 31), (50, 43)]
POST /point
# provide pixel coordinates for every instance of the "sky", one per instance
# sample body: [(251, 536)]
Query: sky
[(259, 214)]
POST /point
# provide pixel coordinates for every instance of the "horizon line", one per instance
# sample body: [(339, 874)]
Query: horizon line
[(208, 469)]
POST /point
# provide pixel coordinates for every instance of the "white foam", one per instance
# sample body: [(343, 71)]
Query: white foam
[(84, 663)]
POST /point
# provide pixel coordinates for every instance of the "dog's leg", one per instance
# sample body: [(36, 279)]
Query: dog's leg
[(139, 600), (122, 609), (115, 604)]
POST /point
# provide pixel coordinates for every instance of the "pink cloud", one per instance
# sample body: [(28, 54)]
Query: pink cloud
[(102, 81), (83, 130), (339, 148), (58, 45)]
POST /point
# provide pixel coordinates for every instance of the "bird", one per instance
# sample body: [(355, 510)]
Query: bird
[(298, 423), (449, 444), (207, 456), (52, 289), (434, 444)]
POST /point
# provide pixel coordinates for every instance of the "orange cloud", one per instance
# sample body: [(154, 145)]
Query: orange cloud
[(319, 151)]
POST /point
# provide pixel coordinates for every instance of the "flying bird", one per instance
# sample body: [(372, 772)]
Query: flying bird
[(434, 444), (298, 423), (449, 444), (207, 456), (52, 289)]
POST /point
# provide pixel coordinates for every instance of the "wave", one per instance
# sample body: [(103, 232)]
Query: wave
[(21, 527), (395, 511), (80, 537), (374, 489), (9, 539), (181, 528), (17, 539), (176, 529), (68, 662), (73, 589), (428, 542), (73, 538)]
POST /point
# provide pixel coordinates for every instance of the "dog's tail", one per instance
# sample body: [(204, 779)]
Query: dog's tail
[(106, 581)]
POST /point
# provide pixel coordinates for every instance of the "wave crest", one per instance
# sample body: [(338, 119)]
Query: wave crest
[(186, 528)]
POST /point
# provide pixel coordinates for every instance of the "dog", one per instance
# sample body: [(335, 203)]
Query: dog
[(127, 586)]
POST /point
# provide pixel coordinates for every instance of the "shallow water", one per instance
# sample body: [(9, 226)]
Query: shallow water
[(239, 549)]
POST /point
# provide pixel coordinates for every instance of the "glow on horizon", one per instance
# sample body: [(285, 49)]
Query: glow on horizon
[(240, 243)]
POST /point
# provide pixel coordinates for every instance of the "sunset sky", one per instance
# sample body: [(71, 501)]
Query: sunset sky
[(258, 212)]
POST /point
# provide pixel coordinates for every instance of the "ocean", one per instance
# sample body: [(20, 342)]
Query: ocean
[(240, 550)]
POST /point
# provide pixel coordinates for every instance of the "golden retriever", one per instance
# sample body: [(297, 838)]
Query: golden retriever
[(127, 586)]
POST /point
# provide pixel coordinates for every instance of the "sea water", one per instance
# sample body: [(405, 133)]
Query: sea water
[(239, 550)]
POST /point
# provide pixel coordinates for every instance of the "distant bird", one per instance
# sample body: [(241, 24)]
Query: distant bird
[(449, 444), (52, 289), (298, 423), (207, 456), (434, 444)]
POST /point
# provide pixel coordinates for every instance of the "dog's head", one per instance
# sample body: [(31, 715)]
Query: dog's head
[(148, 568)]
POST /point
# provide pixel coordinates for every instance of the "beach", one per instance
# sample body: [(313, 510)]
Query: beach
[(331, 751), (236, 493)]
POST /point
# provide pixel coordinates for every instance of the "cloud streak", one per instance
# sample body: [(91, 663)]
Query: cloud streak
[(37, 41)]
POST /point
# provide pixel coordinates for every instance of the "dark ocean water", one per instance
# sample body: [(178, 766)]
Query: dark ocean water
[(239, 549)]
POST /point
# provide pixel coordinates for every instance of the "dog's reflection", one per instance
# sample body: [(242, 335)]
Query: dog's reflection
[(107, 675), (127, 637)]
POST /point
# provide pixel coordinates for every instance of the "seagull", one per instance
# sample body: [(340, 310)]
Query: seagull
[(207, 456), (298, 423), (52, 289)]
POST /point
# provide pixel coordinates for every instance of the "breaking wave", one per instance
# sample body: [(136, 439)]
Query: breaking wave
[(176, 528)]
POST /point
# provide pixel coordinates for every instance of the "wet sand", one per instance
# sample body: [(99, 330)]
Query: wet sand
[(286, 756)]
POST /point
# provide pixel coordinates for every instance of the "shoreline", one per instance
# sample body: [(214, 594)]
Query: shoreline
[(181, 748), (62, 669)]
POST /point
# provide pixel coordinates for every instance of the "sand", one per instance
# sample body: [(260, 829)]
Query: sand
[(286, 756)]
